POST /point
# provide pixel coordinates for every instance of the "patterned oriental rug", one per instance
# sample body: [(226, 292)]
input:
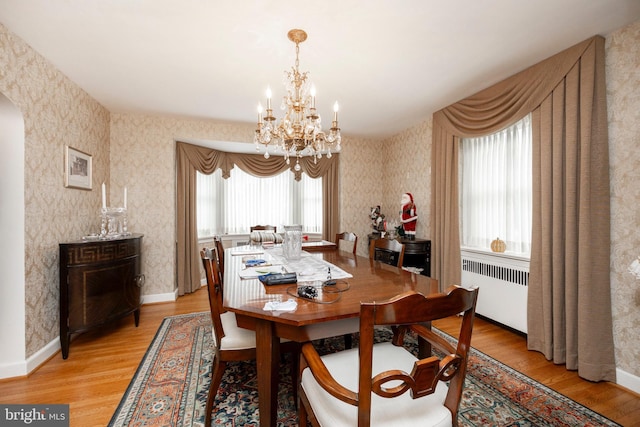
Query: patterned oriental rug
[(170, 386)]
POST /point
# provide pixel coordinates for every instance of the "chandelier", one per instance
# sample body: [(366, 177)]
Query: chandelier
[(299, 132)]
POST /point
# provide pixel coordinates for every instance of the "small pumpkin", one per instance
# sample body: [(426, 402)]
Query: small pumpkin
[(498, 245)]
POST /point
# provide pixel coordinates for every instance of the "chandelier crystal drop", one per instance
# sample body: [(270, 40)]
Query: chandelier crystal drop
[(299, 132)]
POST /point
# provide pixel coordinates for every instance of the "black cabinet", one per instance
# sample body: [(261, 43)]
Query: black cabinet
[(417, 253), (100, 281)]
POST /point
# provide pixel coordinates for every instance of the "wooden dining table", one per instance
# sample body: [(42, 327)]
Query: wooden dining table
[(246, 297)]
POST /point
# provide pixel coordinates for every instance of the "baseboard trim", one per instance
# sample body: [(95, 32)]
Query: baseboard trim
[(23, 368), (627, 380), (155, 298)]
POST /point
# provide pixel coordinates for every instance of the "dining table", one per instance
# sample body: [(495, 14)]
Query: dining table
[(275, 311)]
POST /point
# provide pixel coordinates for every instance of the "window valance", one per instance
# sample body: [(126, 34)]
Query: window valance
[(207, 160), (504, 103)]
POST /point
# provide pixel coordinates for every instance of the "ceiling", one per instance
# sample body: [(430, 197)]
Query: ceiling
[(388, 64)]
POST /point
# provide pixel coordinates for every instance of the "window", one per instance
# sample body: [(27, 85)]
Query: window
[(496, 192), (233, 205)]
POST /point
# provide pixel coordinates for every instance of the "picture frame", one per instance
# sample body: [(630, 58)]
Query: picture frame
[(78, 169)]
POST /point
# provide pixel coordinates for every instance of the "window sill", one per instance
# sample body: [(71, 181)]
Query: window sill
[(506, 254)]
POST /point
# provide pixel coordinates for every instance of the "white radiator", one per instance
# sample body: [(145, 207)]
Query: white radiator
[(233, 240), (503, 283)]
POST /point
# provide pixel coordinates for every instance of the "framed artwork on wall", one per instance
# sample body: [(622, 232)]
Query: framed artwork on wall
[(77, 169)]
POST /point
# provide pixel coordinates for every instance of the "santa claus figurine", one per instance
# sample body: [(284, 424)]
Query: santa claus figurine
[(408, 216)]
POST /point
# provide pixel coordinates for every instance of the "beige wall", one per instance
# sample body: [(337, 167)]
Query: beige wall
[(56, 113), (143, 160), (623, 98), (377, 172), (138, 151), (362, 176), (408, 170)]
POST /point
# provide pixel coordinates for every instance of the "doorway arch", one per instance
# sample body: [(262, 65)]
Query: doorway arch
[(12, 244)]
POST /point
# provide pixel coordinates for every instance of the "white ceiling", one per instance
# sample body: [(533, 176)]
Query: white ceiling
[(389, 64)]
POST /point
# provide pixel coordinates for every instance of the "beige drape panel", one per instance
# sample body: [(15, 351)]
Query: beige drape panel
[(569, 295), (191, 158)]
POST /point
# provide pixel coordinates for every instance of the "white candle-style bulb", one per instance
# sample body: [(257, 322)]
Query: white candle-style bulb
[(335, 111), (634, 268), (312, 91), (104, 196), (259, 113), (125, 197), (268, 98)]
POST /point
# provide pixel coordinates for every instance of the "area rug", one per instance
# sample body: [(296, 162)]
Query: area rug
[(171, 383)]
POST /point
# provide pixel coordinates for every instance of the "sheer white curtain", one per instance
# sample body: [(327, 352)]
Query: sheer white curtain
[(233, 205), (495, 193)]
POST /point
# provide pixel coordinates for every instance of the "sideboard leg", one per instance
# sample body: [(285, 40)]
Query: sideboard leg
[(65, 338)]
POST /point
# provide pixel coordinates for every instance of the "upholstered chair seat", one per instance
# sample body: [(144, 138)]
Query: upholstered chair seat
[(401, 411), (234, 338)]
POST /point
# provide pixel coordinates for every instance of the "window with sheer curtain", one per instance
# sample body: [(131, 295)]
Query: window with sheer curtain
[(233, 205), (496, 189)]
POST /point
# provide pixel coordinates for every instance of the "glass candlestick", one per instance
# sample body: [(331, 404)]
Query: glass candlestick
[(113, 223), (103, 223)]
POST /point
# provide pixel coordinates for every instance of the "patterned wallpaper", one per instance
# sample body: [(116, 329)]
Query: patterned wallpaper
[(143, 160), (56, 113), (623, 99), (362, 177), (377, 172), (408, 170), (138, 151)]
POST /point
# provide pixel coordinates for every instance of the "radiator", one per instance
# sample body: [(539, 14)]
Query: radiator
[(503, 283), (233, 240)]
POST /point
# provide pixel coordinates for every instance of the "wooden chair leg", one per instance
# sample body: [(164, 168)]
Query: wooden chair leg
[(348, 341), (302, 414), (216, 380), (300, 403), (295, 366)]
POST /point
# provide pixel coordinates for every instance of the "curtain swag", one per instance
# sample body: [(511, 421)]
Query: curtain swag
[(207, 160), (569, 296)]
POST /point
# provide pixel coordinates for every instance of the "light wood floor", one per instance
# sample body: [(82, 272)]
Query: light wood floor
[(101, 363)]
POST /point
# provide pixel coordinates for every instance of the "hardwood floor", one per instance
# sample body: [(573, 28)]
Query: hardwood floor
[(101, 363), (610, 400)]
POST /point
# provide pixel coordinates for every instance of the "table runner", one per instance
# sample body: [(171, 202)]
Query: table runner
[(309, 267)]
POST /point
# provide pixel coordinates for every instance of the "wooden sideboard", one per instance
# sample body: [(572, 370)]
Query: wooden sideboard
[(417, 253), (100, 281)]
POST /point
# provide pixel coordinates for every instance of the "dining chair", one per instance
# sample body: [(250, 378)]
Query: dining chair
[(385, 383), (388, 251), (220, 256), (263, 228), (231, 343), (264, 233), (352, 238), (347, 237)]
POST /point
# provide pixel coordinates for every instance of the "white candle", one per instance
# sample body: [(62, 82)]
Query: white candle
[(313, 96), (104, 197), (268, 98), (125, 197)]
